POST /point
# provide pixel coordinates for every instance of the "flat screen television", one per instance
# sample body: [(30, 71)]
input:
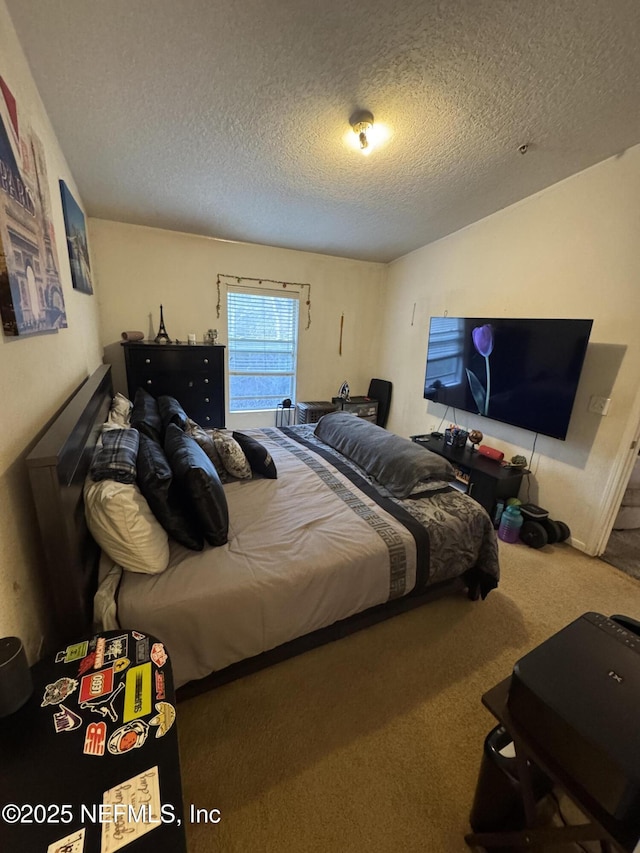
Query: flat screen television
[(519, 371)]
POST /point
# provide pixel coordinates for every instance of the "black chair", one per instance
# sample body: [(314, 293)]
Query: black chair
[(380, 390)]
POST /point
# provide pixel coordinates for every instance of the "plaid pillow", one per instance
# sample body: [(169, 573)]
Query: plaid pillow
[(116, 458)]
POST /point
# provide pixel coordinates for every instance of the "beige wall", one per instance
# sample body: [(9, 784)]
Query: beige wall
[(139, 268), (37, 374), (570, 251)]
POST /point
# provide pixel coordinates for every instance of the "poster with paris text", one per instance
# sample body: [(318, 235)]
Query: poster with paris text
[(31, 297)]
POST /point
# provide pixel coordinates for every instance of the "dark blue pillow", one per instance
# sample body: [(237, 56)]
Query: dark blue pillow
[(171, 412), (257, 455), (155, 481), (145, 415), (198, 480)]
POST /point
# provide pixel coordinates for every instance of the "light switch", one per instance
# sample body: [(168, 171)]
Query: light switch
[(599, 405)]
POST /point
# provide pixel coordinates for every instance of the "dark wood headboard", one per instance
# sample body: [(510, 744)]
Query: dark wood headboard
[(58, 465)]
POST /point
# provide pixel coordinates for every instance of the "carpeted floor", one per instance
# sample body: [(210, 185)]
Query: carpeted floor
[(373, 743), (623, 551)]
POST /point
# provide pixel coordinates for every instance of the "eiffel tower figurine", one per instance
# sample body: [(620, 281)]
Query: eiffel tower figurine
[(162, 337)]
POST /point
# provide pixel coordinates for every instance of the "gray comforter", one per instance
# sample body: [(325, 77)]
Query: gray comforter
[(319, 543)]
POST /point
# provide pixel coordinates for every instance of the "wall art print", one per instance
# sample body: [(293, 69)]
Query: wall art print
[(77, 246), (31, 297)]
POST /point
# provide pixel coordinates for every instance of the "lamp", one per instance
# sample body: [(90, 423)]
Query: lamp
[(362, 122)]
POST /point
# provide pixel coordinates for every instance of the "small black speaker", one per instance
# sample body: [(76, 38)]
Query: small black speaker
[(15, 676)]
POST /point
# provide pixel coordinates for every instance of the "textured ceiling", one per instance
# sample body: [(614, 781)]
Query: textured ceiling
[(228, 118)]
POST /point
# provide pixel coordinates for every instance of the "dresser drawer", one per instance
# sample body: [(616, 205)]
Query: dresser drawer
[(171, 360)]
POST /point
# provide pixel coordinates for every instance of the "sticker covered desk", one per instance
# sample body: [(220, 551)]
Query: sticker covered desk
[(90, 763)]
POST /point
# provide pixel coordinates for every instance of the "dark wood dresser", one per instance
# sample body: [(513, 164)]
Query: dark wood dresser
[(192, 373)]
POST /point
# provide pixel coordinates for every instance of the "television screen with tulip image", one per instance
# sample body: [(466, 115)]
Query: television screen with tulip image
[(523, 372)]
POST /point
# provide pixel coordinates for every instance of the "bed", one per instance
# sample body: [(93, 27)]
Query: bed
[(312, 555)]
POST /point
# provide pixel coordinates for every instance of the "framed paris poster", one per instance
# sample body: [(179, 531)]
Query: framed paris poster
[(31, 297)]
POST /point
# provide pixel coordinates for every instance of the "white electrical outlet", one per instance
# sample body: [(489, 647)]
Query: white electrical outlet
[(599, 405)]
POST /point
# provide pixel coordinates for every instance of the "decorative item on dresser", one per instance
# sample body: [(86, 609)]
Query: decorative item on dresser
[(162, 337), (193, 373)]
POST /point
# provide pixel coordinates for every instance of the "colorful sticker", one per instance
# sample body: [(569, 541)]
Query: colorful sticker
[(158, 654), (96, 684), (95, 739), (137, 695), (137, 635), (116, 647), (99, 659), (160, 689), (65, 720), (75, 652), (121, 664), (130, 736), (105, 707), (56, 693), (142, 650), (164, 719), (73, 843), (87, 663)]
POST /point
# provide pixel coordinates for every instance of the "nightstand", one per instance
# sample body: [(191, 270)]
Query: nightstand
[(98, 732)]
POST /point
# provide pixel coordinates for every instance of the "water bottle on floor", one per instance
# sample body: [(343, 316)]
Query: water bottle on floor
[(510, 524)]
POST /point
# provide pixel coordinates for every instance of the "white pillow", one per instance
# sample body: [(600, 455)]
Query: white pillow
[(122, 524)]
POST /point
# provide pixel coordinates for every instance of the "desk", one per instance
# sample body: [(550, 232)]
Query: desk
[(483, 479), (611, 833), (98, 729)]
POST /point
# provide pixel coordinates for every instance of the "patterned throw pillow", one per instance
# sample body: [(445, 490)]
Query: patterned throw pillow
[(231, 454), (115, 458), (205, 439)]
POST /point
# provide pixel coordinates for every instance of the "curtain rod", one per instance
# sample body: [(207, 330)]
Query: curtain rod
[(237, 279)]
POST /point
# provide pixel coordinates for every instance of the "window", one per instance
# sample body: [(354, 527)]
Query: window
[(263, 347), (446, 347)]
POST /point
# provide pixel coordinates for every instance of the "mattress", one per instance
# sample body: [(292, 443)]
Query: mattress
[(321, 542)]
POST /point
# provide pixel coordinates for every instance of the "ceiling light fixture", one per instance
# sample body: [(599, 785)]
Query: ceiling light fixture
[(362, 122)]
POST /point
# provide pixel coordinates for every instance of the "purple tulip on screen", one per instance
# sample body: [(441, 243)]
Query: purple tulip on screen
[(483, 342), (483, 339)]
